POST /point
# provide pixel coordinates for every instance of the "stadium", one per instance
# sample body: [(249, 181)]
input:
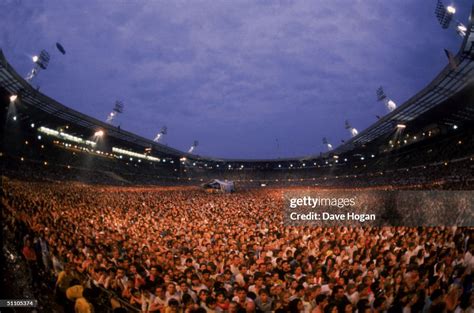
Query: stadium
[(100, 219)]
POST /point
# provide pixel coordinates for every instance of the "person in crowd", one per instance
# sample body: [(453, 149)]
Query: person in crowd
[(169, 249)]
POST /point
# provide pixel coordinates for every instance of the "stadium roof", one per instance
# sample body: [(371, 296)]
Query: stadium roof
[(48, 108), (448, 83), (445, 85)]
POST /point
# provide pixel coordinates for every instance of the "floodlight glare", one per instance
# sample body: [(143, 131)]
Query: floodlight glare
[(99, 133), (391, 105), (351, 129), (444, 14), (163, 131), (41, 63), (118, 108), (455, 126), (13, 98), (401, 126), (193, 147), (461, 30), (381, 96)]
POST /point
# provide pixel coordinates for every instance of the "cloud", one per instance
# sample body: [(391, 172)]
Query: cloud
[(293, 69)]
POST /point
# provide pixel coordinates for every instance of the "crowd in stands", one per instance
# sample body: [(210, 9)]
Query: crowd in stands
[(441, 161), (179, 249)]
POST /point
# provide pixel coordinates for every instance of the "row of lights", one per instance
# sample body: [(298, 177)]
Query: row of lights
[(405, 141), (100, 133), (183, 160)]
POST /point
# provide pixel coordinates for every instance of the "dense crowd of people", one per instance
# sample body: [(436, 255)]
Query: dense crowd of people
[(179, 249)]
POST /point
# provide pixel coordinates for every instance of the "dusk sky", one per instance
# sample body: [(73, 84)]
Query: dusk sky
[(234, 75)]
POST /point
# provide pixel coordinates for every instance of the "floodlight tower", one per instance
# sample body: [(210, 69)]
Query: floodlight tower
[(327, 144), (194, 146), (351, 129), (118, 109), (163, 131), (41, 63), (445, 16), (382, 97)]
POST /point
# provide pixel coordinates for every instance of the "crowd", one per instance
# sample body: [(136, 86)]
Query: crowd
[(179, 249)]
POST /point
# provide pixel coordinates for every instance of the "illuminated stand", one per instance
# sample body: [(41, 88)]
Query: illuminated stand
[(163, 131)]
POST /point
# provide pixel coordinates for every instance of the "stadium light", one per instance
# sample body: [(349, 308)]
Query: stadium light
[(14, 118), (327, 144), (455, 126), (99, 133), (354, 132), (193, 146), (41, 63), (13, 98), (382, 97), (401, 126), (118, 108), (445, 16), (163, 131), (461, 30)]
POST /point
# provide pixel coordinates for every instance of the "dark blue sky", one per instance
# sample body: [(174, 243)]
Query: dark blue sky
[(234, 75)]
